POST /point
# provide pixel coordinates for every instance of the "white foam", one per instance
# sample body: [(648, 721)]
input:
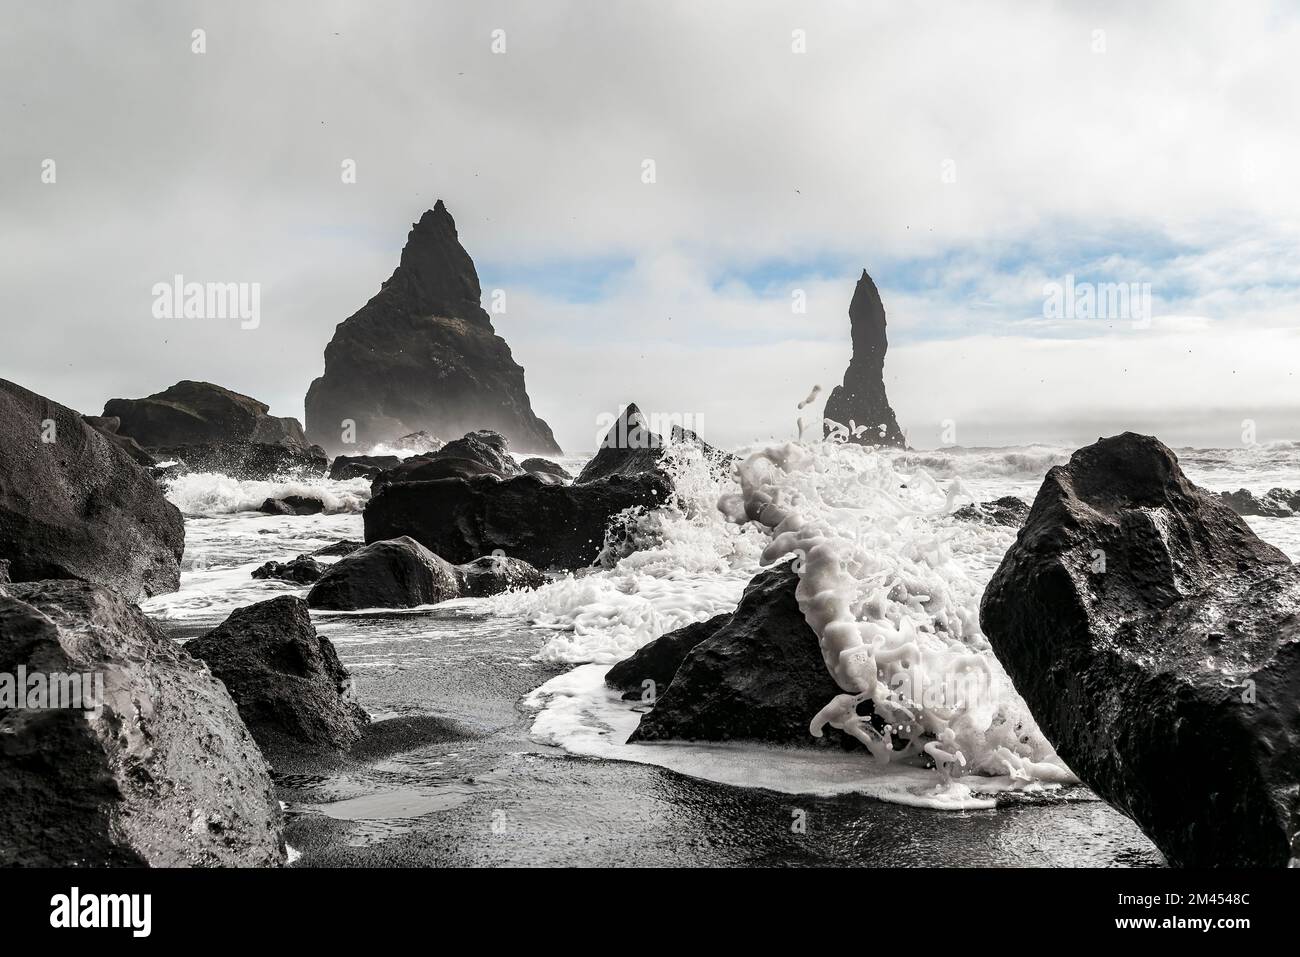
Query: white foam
[(214, 493)]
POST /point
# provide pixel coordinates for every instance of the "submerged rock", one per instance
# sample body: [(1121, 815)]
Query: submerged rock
[(1008, 510), (292, 505), (759, 676), (302, 570), (548, 526), (400, 573), (422, 355), (861, 400), (165, 774), (74, 505), (493, 574), (1275, 503), (286, 679), (1156, 640)]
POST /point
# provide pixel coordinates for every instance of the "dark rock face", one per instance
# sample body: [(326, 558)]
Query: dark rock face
[(286, 680), (422, 355), (477, 453), (292, 505), (200, 413), (659, 660), (548, 526), (493, 574), (632, 448), (861, 399), (400, 573), (77, 506), (344, 547), (165, 775), (108, 426), (1275, 503), (361, 466), (547, 471), (1008, 510), (760, 676), (1156, 640), (302, 570)]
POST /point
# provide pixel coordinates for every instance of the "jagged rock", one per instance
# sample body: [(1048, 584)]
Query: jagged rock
[(165, 774), (361, 466), (292, 505), (477, 453), (1008, 510), (548, 526), (546, 470), (302, 570), (108, 426), (400, 573), (1275, 503), (286, 680), (861, 400), (423, 355), (760, 676), (77, 506), (631, 448), (658, 661), (1156, 641), (493, 574)]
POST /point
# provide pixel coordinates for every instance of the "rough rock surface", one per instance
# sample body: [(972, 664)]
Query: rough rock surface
[(1008, 510), (108, 426), (477, 453), (400, 573), (302, 570), (760, 676), (549, 472), (361, 466), (548, 526), (1156, 640), (166, 775), (78, 506), (493, 574), (422, 355), (861, 400), (286, 680), (659, 660)]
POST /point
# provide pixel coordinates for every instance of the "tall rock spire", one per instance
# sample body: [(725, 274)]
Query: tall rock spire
[(422, 356), (861, 400)]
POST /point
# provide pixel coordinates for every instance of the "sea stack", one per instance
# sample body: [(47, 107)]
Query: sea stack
[(861, 400), (422, 355)]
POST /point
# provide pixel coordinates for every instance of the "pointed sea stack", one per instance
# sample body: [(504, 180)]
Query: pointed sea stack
[(422, 355), (861, 399)]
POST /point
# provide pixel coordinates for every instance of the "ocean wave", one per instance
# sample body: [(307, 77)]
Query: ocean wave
[(214, 493)]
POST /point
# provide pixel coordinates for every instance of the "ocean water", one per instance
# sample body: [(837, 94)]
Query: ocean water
[(519, 676)]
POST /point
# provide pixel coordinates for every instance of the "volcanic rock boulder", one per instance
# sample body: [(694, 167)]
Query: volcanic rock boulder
[(548, 526), (292, 505), (400, 573), (74, 505), (287, 680), (302, 570), (861, 400), (164, 774), (760, 676), (211, 429), (423, 355), (1156, 640), (657, 662), (493, 574)]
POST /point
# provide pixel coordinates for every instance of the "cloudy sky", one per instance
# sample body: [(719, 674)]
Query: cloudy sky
[(967, 155)]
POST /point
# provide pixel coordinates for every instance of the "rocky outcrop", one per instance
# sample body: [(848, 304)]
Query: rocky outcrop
[(400, 573), (1008, 510), (1275, 503), (163, 773), (361, 466), (302, 570), (860, 404), (423, 355), (548, 526), (211, 429), (631, 447), (760, 676), (657, 662), (292, 505), (74, 505), (494, 574), (287, 680), (476, 454), (547, 471), (1156, 640)]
